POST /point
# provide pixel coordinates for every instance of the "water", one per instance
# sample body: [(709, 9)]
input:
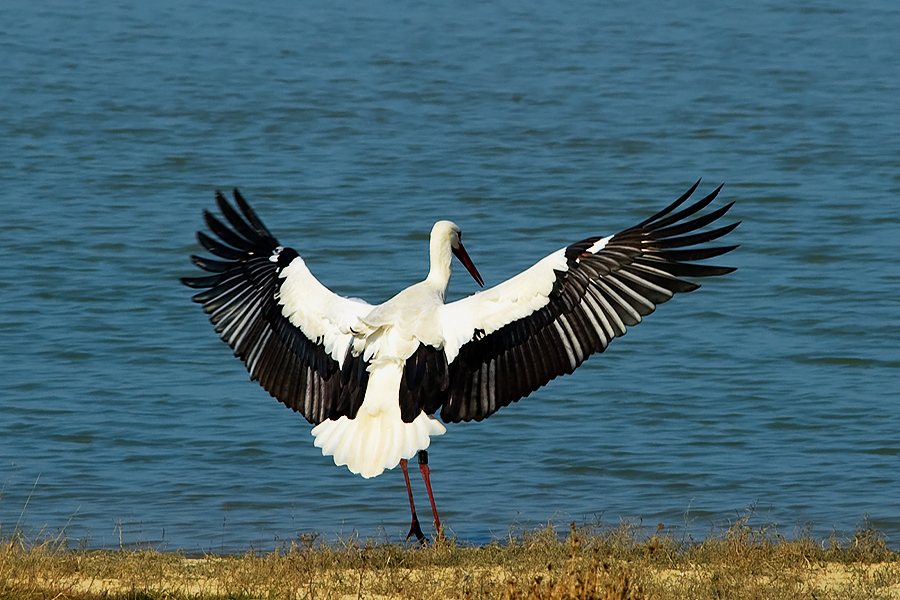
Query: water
[(352, 129)]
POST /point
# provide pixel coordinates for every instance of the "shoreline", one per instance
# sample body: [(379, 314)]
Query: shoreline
[(587, 562)]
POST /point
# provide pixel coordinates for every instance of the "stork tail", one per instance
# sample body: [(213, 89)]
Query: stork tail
[(377, 438)]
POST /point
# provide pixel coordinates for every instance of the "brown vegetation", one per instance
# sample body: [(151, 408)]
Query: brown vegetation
[(592, 562)]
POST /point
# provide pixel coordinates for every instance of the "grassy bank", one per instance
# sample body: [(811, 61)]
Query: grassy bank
[(590, 562)]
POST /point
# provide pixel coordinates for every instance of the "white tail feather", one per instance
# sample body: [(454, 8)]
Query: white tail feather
[(377, 438)]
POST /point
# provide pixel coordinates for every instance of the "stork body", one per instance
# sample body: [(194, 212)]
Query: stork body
[(386, 336), (371, 377)]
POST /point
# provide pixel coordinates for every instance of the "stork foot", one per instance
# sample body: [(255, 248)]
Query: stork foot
[(416, 530)]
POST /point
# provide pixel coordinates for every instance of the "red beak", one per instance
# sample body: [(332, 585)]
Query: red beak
[(463, 257)]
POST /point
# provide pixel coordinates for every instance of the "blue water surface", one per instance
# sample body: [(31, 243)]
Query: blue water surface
[(352, 128)]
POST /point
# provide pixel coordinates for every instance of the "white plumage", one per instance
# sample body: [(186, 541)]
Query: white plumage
[(370, 377)]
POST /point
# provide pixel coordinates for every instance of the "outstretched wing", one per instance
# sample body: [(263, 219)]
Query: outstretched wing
[(291, 332), (507, 341)]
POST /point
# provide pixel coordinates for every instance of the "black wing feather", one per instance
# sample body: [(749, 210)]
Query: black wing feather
[(671, 207), (424, 383), (250, 214), (218, 248), (225, 234)]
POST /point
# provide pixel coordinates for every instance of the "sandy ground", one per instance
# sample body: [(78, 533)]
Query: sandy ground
[(215, 577)]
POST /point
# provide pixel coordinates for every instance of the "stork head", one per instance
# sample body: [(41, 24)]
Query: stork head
[(447, 233)]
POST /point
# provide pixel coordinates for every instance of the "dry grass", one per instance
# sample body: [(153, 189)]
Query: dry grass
[(592, 562)]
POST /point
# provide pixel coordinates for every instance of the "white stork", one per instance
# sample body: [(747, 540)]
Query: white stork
[(371, 377)]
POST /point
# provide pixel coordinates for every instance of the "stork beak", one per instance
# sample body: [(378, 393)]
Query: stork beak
[(463, 257)]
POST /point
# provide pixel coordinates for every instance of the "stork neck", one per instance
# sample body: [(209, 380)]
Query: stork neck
[(439, 274)]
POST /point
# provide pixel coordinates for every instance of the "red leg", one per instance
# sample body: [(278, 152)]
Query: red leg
[(414, 529), (426, 475)]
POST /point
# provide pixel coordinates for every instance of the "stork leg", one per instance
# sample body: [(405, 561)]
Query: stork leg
[(426, 475), (414, 528)]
